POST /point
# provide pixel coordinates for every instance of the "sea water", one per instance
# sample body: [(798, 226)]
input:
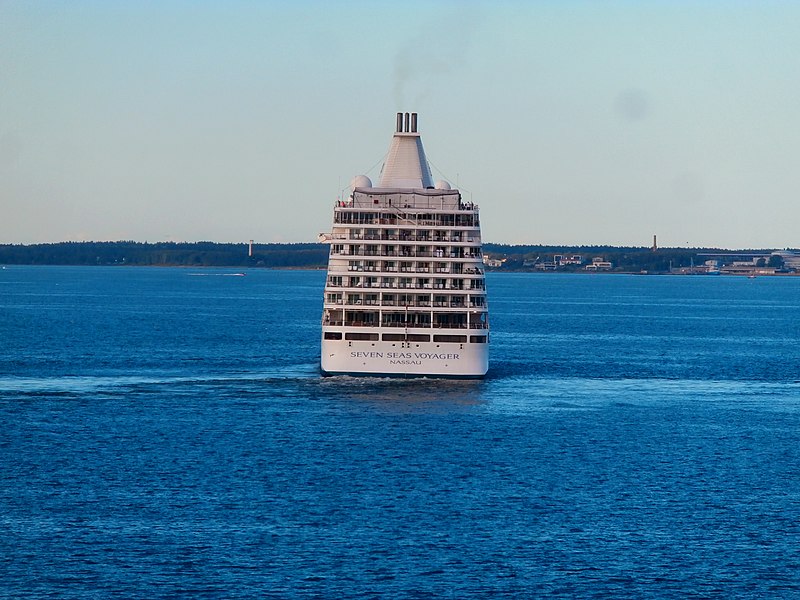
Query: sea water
[(166, 433)]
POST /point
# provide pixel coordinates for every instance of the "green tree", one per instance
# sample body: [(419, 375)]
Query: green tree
[(776, 261)]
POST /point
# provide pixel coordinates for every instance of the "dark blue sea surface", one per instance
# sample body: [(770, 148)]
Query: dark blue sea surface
[(165, 433)]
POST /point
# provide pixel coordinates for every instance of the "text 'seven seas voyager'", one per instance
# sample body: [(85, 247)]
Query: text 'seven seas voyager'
[(405, 358)]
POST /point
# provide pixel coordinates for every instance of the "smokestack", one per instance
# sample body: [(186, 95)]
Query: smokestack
[(408, 122), (250, 249), (413, 122), (399, 122), (655, 246)]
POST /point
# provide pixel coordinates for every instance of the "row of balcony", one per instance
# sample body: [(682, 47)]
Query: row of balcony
[(351, 323), (393, 236), (444, 221), (474, 303), (456, 269), (406, 252), (400, 202), (476, 285)]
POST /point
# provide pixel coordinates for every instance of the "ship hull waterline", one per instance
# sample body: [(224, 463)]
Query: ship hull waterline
[(404, 360)]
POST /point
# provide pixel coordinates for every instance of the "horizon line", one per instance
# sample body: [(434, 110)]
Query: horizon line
[(512, 245)]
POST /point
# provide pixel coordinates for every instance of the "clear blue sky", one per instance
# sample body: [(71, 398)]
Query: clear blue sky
[(567, 122)]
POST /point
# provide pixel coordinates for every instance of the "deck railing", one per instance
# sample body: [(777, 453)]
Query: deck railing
[(476, 326)]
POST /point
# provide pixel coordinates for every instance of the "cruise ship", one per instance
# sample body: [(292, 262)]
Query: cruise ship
[(405, 294)]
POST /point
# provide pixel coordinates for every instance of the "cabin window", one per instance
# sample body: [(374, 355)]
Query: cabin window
[(333, 335), (477, 339), (455, 339), (369, 337), (394, 337), (418, 337)]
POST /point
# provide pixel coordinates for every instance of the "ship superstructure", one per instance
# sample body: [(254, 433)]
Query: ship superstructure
[(405, 293)]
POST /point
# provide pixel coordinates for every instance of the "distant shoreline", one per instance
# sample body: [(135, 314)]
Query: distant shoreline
[(314, 256), (323, 268)]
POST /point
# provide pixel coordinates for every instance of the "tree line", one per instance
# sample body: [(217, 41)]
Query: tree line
[(314, 255), (183, 254), (624, 258)]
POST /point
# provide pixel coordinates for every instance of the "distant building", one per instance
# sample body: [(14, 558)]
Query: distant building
[(752, 263), (745, 267), (493, 262), (568, 259), (599, 264), (791, 260)]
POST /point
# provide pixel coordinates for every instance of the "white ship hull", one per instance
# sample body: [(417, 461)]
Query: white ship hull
[(389, 359)]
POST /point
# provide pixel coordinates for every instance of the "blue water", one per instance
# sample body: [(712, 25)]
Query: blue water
[(165, 433)]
